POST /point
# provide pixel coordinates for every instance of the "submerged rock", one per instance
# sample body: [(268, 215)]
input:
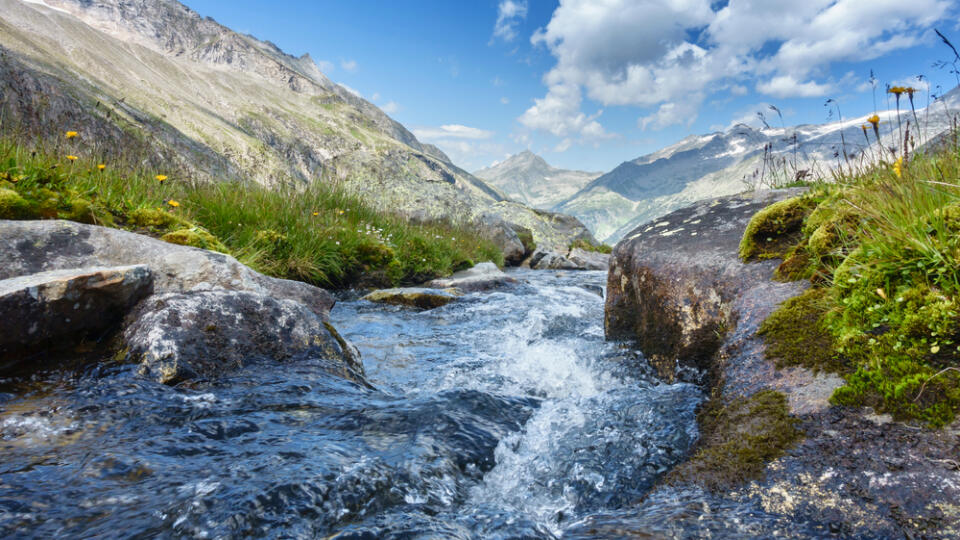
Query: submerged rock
[(418, 297), (50, 308), (481, 277), (180, 336)]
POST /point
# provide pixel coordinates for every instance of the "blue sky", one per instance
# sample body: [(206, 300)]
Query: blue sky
[(588, 84)]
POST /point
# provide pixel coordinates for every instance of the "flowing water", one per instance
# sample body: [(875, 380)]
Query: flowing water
[(501, 415)]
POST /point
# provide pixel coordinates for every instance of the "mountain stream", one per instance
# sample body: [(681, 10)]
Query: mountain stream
[(502, 415)]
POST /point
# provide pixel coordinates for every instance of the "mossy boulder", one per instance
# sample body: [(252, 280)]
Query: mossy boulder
[(773, 231), (194, 237)]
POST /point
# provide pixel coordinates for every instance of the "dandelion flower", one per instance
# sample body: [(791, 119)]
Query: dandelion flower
[(101, 167), (898, 167), (896, 90), (72, 158), (160, 178), (173, 203), (874, 120), (316, 214), (71, 134)]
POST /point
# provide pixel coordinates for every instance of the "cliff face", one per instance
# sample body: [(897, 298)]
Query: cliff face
[(204, 102)]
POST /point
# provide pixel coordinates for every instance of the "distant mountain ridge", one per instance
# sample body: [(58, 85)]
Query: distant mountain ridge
[(528, 178), (207, 103), (740, 158)]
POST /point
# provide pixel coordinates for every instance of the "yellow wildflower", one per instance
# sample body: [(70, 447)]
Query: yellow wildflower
[(898, 167), (896, 90), (316, 213), (71, 134), (72, 158), (101, 167), (173, 203), (160, 178), (874, 120), (341, 212)]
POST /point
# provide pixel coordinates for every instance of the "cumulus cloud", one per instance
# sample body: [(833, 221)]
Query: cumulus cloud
[(349, 65), (668, 55), (451, 131), (509, 15)]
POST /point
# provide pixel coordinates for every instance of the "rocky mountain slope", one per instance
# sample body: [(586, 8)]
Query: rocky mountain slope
[(528, 178), (741, 158), (199, 101)]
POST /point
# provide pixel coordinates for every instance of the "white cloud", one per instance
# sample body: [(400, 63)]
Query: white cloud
[(785, 86), (390, 107), (563, 146), (349, 65), (668, 55), (509, 15), (375, 96), (505, 100), (451, 131)]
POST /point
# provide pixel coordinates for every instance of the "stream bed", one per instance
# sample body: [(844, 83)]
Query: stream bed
[(502, 415)]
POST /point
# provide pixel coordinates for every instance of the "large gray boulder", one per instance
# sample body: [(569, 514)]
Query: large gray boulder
[(208, 315), (57, 307), (588, 260), (28, 247), (180, 336), (503, 235)]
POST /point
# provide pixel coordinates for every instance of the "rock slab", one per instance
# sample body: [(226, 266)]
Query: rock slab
[(28, 247), (481, 277), (51, 308), (418, 297)]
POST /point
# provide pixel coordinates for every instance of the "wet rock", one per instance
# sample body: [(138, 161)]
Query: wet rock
[(588, 260), (49, 308), (28, 247), (550, 260), (503, 235), (677, 287), (672, 281), (180, 336), (418, 297), (481, 277)]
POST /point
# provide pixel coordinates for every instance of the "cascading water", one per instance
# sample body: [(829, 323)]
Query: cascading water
[(501, 415)]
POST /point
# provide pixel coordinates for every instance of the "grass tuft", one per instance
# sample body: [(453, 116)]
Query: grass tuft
[(315, 233), (882, 249)]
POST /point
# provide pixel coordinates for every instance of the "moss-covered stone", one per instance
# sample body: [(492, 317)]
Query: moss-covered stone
[(738, 440), (587, 246), (194, 237), (155, 218), (773, 231), (796, 336), (13, 206)]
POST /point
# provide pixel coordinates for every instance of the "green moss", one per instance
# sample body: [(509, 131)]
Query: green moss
[(587, 246), (194, 237), (156, 218), (738, 440), (13, 206), (526, 238), (773, 231), (795, 333)]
